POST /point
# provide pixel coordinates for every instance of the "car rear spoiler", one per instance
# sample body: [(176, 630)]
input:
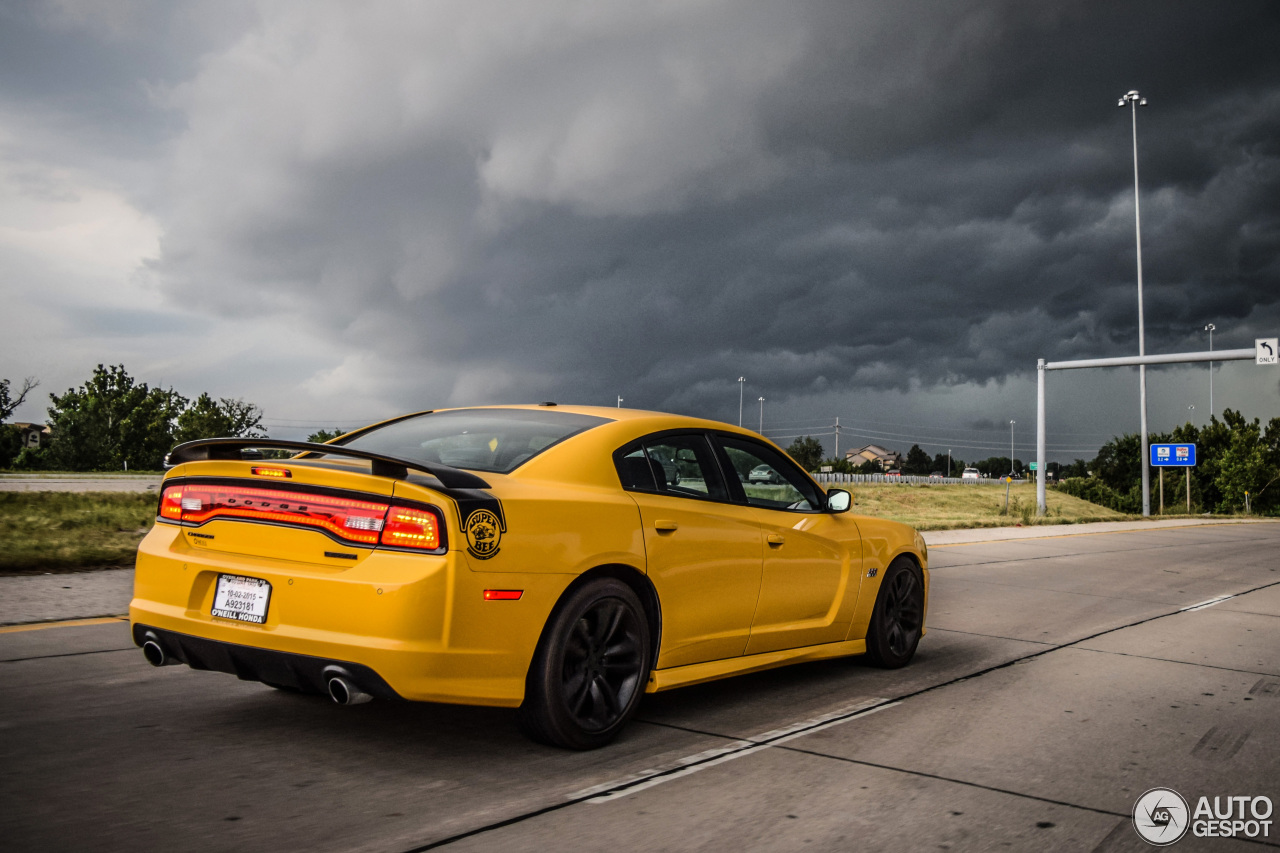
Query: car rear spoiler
[(205, 449)]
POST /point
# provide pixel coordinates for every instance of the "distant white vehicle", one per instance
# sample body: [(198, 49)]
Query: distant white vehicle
[(970, 474)]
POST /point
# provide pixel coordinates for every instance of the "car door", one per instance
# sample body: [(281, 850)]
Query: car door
[(812, 558), (704, 553)]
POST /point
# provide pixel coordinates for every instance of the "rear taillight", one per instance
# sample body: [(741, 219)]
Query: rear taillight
[(359, 522), (411, 528), (171, 503)]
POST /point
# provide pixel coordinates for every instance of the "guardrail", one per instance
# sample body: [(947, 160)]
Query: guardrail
[(906, 478)]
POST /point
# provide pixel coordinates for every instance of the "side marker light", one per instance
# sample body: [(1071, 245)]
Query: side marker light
[(503, 594)]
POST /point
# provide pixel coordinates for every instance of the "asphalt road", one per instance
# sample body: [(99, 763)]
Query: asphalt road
[(80, 483), (1061, 678)]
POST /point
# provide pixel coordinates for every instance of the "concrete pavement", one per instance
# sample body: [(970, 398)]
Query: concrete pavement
[(1062, 676)]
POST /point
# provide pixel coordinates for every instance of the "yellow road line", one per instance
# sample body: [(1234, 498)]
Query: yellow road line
[(71, 623), (1096, 533)]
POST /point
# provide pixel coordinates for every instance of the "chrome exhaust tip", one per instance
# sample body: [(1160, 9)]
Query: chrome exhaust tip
[(344, 692), (156, 655)]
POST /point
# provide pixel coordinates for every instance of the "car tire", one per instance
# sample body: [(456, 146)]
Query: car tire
[(590, 668), (898, 619)]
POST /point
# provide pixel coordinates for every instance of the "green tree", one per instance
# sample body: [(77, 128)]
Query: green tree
[(1249, 463), (10, 438), (1119, 463), (8, 404), (838, 466), (995, 466), (917, 462), (940, 465), (807, 452), (1078, 468), (320, 436), (111, 421), (871, 466), (225, 418)]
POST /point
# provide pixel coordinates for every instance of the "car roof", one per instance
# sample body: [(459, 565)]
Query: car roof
[(610, 413), (594, 447)]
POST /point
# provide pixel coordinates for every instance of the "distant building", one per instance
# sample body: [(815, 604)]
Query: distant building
[(887, 459), (33, 435)]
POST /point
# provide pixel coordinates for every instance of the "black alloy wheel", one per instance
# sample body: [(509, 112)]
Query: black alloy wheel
[(590, 668), (896, 624)]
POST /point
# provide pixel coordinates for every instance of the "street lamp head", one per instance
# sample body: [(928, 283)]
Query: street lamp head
[(1132, 96), (742, 379), (1211, 328)]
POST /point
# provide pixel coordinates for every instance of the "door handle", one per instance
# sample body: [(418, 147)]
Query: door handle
[(665, 524), (775, 539)]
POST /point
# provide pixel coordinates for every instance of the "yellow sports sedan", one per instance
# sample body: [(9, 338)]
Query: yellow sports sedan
[(561, 560)]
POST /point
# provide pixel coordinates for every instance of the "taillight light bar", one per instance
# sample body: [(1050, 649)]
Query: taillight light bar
[(360, 522)]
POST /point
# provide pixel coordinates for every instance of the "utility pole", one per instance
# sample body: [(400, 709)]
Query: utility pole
[(837, 456), (1211, 329), (761, 416), (1011, 423), (741, 380)]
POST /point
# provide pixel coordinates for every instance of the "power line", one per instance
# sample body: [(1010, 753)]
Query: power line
[(777, 425), (916, 438)]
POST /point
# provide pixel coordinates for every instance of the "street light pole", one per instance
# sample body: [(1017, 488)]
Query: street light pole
[(948, 463), (761, 430), (619, 401), (741, 380), (1134, 100), (1210, 329), (1011, 423)]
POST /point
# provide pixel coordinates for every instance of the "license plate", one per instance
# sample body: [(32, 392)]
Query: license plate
[(240, 598)]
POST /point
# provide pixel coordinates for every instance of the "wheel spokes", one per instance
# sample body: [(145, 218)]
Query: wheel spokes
[(902, 612), (579, 692), (610, 622), (897, 641), (601, 665)]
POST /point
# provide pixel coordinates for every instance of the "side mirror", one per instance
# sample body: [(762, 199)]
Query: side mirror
[(838, 500)]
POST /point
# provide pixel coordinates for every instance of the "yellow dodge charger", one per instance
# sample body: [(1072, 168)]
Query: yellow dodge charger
[(561, 560)]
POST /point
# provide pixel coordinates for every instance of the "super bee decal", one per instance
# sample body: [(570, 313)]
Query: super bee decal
[(484, 533), (483, 523)]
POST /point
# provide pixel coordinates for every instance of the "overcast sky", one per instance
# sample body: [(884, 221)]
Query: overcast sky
[(882, 212)]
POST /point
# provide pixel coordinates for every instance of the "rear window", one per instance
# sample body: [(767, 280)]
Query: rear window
[(498, 440)]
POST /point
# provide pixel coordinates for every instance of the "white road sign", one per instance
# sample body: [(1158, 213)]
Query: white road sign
[(1266, 350)]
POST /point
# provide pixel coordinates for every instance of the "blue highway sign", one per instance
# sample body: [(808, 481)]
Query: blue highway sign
[(1173, 455)]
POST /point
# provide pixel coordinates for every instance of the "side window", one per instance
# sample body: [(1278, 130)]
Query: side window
[(680, 465), (768, 478), (634, 471)]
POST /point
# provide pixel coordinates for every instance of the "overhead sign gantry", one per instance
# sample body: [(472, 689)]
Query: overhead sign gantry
[(1264, 352)]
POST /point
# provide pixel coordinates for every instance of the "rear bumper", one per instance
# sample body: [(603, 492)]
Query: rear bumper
[(279, 669), (417, 626)]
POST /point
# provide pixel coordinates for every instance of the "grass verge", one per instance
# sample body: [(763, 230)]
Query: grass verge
[(952, 507), (69, 531), (59, 531)]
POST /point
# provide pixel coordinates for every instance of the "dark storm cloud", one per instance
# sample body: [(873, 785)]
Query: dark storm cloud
[(483, 202)]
